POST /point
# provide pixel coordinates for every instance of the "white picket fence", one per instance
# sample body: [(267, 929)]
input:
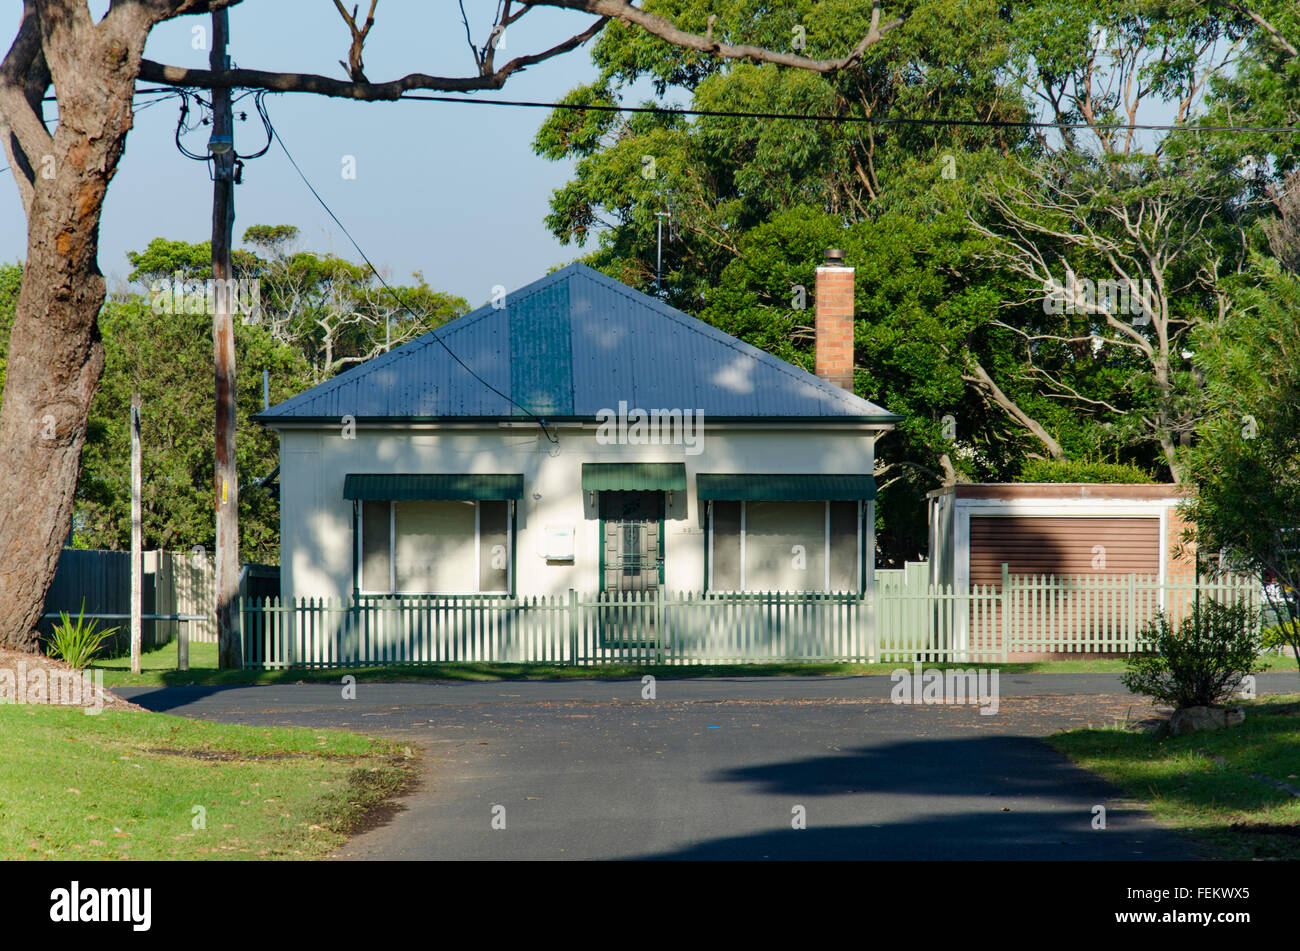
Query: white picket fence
[(639, 628), (1028, 617), (913, 620)]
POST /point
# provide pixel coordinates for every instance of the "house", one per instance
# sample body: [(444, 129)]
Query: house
[(578, 434)]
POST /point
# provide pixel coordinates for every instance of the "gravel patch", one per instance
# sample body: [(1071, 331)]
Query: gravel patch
[(16, 665)]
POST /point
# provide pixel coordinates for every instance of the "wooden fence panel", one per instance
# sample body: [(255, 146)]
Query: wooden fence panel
[(173, 583)]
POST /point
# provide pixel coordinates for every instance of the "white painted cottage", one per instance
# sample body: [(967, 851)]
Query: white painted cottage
[(582, 435)]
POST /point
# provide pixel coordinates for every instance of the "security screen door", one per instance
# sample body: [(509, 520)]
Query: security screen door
[(632, 535), (631, 563)]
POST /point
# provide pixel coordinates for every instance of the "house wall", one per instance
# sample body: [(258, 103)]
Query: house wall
[(316, 521)]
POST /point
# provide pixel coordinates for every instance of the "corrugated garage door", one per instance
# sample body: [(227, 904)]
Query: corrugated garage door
[(1064, 547), (1042, 545)]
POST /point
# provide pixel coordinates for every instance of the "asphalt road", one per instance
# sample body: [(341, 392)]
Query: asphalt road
[(725, 768)]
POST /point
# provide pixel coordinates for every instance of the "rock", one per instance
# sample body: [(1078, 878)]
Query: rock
[(1193, 719)]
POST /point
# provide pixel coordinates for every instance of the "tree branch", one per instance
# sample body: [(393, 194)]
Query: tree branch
[(24, 77), (1268, 28), (325, 86), (665, 30), (981, 378), (354, 66)]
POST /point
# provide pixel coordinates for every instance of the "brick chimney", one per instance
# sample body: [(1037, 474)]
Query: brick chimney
[(834, 325)]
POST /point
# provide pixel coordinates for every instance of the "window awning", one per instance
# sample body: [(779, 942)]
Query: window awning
[(633, 476), (750, 487), (432, 487)]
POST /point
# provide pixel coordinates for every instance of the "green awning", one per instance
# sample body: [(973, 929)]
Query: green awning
[(633, 476), (749, 487), (431, 487)]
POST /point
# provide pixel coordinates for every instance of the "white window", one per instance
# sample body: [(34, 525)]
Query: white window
[(785, 546), (445, 547)]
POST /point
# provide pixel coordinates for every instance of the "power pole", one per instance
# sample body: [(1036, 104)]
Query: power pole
[(136, 538), (222, 148)]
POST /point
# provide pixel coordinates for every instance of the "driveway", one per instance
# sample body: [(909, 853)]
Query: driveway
[(725, 768)]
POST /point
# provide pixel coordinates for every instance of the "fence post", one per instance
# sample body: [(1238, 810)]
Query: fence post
[(1006, 600), (660, 632), (868, 614), (573, 628), (1132, 613)]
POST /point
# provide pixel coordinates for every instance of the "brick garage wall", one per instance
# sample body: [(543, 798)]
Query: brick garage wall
[(1180, 565)]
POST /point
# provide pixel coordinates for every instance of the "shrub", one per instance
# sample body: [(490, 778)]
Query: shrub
[(1273, 638), (1053, 470), (76, 642), (1203, 662)]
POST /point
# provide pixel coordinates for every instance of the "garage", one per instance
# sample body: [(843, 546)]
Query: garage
[(1069, 531), (1060, 529)]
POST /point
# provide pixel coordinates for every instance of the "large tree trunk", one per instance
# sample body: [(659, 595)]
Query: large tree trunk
[(55, 354)]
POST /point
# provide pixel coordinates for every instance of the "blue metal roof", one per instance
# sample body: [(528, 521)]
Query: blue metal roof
[(571, 345)]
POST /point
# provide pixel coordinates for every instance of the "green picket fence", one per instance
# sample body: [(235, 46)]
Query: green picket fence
[(907, 620)]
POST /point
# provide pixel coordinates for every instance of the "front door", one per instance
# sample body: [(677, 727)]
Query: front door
[(632, 532), (631, 562)]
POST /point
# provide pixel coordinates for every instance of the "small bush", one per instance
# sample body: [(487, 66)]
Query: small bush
[(1273, 638), (1053, 470), (1203, 662), (76, 642)]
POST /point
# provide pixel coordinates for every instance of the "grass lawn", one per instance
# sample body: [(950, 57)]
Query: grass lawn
[(1234, 814), (124, 784), (158, 668)]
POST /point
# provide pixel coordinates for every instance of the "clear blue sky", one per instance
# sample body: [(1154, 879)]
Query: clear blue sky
[(452, 190)]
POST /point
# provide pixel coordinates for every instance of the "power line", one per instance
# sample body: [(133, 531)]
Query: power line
[(152, 90), (808, 116), (541, 422), (869, 120)]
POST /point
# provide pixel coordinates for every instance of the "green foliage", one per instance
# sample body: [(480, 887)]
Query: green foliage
[(721, 176), (76, 642), (1200, 664), (1263, 89), (335, 312), (1100, 219), (1064, 470), (1274, 638), (1246, 461), (321, 314), (167, 360), (11, 278), (755, 202), (915, 309), (164, 259)]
